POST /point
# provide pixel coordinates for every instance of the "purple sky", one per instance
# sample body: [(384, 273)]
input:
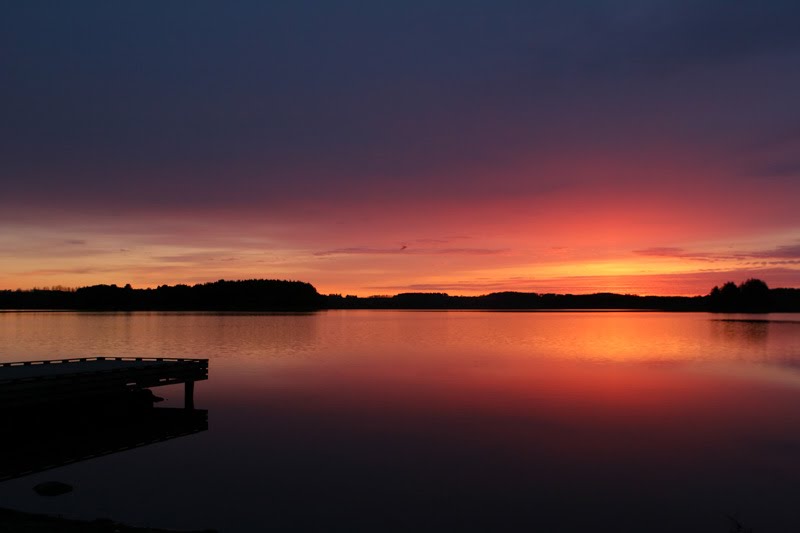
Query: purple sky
[(366, 147)]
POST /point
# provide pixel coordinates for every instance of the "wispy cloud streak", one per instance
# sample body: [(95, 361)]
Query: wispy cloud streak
[(784, 254), (404, 249)]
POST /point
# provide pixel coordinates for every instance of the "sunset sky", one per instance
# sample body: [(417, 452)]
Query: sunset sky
[(376, 147)]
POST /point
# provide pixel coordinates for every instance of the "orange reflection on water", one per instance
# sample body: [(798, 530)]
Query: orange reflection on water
[(478, 421), (658, 410)]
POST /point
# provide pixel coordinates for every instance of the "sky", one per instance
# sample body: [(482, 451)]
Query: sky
[(460, 146)]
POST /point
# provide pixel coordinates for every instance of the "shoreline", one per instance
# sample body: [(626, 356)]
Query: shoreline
[(24, 522)]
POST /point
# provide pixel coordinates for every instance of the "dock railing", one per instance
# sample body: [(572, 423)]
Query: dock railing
[(29, 383)]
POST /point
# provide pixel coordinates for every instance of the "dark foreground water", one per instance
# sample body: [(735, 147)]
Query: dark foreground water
[(447, 421)]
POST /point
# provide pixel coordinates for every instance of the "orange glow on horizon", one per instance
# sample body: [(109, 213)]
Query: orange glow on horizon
[(560, 243)]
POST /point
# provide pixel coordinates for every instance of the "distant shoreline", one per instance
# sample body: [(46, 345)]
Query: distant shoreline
[(752, 296)]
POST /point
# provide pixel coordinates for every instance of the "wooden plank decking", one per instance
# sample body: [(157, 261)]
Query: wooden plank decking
[(61, 411), (27, 384)]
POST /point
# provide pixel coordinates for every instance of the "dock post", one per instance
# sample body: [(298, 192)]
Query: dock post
[(188, 395)]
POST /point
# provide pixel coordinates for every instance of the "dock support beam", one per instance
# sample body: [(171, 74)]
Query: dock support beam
[(188, 395)]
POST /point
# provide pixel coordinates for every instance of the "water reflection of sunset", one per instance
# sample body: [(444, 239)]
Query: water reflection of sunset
[(467, 420), (616, 353), (528, 405)]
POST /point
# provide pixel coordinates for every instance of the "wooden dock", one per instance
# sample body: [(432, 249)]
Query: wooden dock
[(30, 384)]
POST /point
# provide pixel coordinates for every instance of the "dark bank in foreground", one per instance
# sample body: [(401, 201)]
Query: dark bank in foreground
[(19, 522), (752, 296)]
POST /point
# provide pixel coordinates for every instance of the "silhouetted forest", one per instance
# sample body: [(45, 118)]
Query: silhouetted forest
[(752, 296), (269, 295), (247, 295), (518, 300)]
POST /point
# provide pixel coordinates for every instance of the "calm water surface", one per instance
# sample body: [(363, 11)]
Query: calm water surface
[(437, 421)]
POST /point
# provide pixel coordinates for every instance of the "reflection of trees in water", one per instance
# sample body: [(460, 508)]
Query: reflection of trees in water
[(749, 331), (742, 339), (760, 340)]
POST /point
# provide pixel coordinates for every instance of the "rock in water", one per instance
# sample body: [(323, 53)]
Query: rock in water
[(52, 488)]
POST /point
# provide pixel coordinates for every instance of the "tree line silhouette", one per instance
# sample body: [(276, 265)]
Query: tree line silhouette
[(752, 295), (246, 295)]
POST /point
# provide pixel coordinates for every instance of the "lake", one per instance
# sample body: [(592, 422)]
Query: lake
[(446, 421)]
